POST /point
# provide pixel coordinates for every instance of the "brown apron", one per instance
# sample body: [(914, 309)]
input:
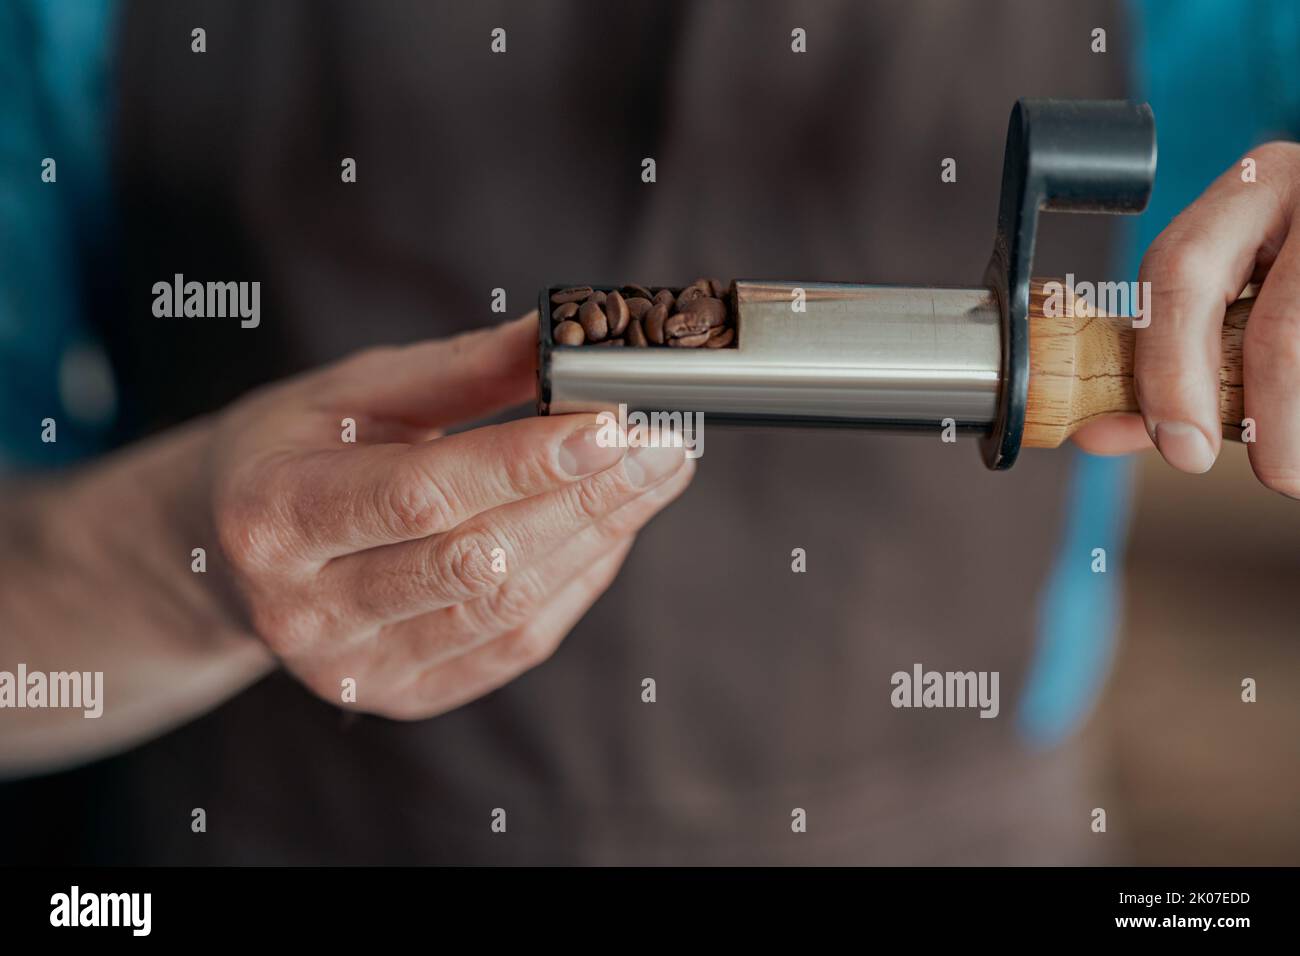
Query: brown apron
[(479, 170)]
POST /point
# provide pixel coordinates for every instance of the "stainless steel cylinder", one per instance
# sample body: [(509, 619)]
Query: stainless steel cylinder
[(858, 355)]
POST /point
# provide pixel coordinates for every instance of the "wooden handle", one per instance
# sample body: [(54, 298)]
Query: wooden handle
[(1081, 367)]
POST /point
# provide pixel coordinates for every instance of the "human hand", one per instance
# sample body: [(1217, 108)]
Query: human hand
[(428, 568), (1235, 234)]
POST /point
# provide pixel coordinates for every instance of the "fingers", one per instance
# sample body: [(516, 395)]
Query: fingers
[(363, 497), (442, 635), (450, 684), (493, 552), (1271, 364), (1196, 268), (440, 383), (1113, 435)]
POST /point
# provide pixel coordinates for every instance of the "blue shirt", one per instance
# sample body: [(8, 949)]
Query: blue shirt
[(54, 66)]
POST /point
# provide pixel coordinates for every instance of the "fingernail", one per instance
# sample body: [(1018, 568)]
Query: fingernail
[(1184, 446), (583, 452), (647, 465), (665, 488)]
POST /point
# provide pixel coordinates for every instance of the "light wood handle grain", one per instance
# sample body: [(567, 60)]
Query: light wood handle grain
[(1081, 368)]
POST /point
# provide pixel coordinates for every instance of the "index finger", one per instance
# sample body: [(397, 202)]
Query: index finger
[(366, 496), (442, 382)]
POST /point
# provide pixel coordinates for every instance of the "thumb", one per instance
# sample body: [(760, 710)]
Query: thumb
[(443, 382)]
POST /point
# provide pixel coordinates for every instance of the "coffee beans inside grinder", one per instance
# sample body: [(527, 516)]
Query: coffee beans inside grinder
[(702, 315)]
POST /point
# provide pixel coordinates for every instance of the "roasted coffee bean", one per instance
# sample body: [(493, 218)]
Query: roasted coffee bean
[(701, 314), (689, 341), (635, 334), (713, 311), (679, 325), (569, 332), (575, 294), (593, 320), (617, 313), (654, 323), (639, 306), (690, 322), (717, 341), (690, 294)]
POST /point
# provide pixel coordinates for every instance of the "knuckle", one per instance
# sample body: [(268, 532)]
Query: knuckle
[(1273, 342), (467, 559), (416, 506), (529, 470), (253, 516), (590, 499), (1165, 389), (243, 534), (1285, 353), (1175, 265), (516, 600), (1275, 367)]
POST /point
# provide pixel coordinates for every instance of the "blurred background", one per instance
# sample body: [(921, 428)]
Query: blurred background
[(1198, 777)]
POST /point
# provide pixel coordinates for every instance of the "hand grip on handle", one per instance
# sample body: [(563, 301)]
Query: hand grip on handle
[(1081, 368)]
